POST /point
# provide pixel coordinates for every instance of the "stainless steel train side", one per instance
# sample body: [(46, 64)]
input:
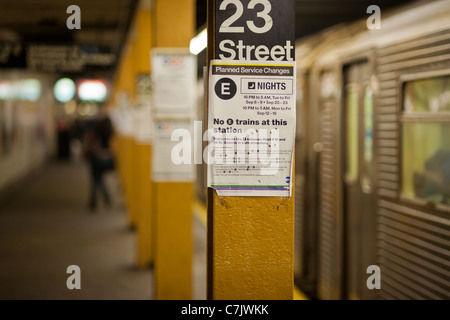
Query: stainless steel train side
[(356, 203)]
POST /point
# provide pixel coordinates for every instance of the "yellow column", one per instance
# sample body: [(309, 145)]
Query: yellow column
[(132, 153), (250, 239), (144, 212), (118, 135), (250, 248), (120, 88), (145, 224), (124, 81), (173, 253), (133, 156), (173, 22), (130, 186), (120, 159), (135, 180)]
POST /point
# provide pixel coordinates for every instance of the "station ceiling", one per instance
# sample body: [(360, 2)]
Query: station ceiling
[(105, 24)]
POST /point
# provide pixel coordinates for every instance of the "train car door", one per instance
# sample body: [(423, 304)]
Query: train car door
[(358, 178), (305, 235)]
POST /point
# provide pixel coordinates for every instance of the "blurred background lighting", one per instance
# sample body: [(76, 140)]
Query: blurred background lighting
[(92, 90), (64, 90), (199, 42), (29, 89), (6, 90), (70, 107)]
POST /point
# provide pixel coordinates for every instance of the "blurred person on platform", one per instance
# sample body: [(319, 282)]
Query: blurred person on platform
[(99, 155)]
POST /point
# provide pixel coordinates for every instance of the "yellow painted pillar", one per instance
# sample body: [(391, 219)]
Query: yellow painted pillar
[(143, 39), (144, 212), (133, 168), (250, 239), (134, 156), (173, 27), (173, 252), (250, 248), (120, 159), (124, 81), (145, 223), (123, 167), (130, 186), (135, 180), (119, 150)]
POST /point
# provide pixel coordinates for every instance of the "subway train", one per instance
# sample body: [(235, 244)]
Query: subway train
[(372, 157)]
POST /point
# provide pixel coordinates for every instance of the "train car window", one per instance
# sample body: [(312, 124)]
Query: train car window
[(368, 138), (427, 95), (426, 140), (351, 119)]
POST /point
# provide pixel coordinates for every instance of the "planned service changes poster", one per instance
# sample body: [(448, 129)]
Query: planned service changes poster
[(251, 127)]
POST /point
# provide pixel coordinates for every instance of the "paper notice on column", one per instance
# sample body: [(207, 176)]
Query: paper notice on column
[(127, 122), (143, 124), (174, 79), (251, 127), (169, 161), (173, 95)]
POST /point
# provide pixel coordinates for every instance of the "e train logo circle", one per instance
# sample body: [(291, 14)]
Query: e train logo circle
[(225, 88)]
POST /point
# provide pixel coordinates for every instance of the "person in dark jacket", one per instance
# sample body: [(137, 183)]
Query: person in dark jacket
[(99, 155), (437, 175)]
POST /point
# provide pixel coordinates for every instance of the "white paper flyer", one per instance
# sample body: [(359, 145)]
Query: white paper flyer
[(251, 127)]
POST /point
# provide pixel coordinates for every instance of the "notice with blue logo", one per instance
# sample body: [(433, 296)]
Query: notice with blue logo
[(251, 127), (174, 82)]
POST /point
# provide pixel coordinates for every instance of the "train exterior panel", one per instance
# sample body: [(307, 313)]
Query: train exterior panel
[(374, 118)]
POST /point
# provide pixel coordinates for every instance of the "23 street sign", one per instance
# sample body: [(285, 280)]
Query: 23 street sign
[(255, 30)]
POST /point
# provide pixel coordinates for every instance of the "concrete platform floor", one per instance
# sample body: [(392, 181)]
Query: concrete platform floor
[(45, 227)]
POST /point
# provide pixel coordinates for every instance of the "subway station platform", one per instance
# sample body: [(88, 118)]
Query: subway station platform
[(46, 226), (355, 204)]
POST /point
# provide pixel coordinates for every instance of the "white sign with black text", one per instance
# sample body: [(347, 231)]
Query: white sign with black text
[(251, 122), (260, 30), (173, 82), (173, 90)]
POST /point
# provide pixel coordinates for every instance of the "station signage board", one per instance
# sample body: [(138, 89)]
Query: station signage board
[(260, 30), (251, 99), (56, 57)]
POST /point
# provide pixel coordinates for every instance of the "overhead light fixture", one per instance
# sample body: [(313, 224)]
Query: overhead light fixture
[(199, 42), (64, 89), (92, 90)]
